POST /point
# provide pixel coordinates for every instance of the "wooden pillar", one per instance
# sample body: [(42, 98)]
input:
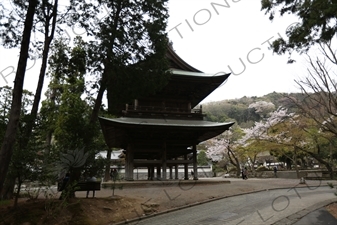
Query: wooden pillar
[(195, 163), (171, 174), (164, 161), (136, 104), (129, 163), (152, 172), (176, 171), (185, 168), (149, 172), (158, 173)]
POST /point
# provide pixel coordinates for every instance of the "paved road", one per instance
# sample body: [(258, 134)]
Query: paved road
[(265, 207)]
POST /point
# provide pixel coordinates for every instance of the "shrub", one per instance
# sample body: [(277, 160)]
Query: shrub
[(262, 168)]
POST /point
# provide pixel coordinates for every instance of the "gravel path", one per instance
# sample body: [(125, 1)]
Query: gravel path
[(173, 194)]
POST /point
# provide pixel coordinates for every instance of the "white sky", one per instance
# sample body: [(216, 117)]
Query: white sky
[(221, 36)]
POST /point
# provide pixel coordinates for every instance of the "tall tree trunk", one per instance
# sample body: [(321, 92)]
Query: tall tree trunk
[(8, 188), (75, 176), (103, 85), (105, 76), (10, 135), (37, 97)]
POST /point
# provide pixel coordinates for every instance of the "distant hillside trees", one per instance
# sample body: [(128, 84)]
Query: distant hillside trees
[(316, 28), (262, 108), (291, 137)]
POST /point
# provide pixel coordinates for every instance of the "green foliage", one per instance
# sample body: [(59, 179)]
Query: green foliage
[(5, 104), (73, 159), (238, 109), (129, 48), (202, 158), (230, 109), (300, 132), (217, 169), (316, 25), (66, 113), (232, 170), (262, 168), (26, 163), (73, 112), (116, 177)]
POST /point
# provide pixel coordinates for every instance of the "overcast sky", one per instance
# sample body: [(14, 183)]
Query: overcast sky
[(213, 36)]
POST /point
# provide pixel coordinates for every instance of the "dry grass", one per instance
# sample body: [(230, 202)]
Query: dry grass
[(78, 211)]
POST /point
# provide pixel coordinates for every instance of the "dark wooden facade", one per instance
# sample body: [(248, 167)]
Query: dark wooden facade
[(161, 131)]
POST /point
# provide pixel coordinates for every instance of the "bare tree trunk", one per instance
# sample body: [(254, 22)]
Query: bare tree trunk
[(235, 162), (295, 162), (252, 166), (10, 135)]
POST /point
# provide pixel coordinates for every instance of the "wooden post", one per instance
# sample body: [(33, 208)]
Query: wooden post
[(152, 172), (158, 173), (149, 173), (195, 163), (171, 174), (136, 104), (164, 161), (129, 163), (185, 168), (176, 170)]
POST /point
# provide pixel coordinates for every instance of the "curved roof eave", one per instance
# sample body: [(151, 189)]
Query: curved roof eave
[(171, 55), (197, 74), (164, 122)]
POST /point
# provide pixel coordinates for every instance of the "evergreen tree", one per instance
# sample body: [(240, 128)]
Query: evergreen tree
[(129, 47), (317, 23), (6, 151)]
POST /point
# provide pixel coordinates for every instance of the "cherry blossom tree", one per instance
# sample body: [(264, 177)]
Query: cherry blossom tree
[(216, 148), (225, 146), (262, 108), (257, 139)]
